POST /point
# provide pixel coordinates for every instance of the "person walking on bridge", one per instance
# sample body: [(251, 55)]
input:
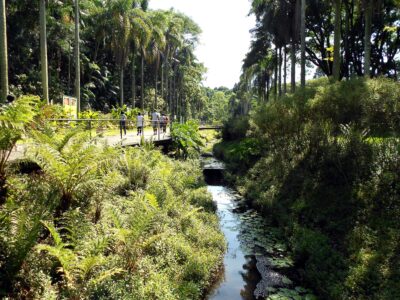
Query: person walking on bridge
[(140, 124), (122, 123), (155, 119)]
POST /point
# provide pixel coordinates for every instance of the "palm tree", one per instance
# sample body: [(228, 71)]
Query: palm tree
[(336, 48), (174, 40), (142, 54), (293, 66), (140, 35), (156, 45), (77, 59), (43, 51), (3, 49), (303, 43), (121, 35)]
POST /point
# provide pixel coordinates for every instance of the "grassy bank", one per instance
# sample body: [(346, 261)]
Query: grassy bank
[(324, 164)]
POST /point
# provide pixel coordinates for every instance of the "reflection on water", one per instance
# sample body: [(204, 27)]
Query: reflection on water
[(237, 282), (256, 264), (212, 163)]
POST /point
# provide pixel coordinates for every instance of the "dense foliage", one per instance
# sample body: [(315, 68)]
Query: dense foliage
[(128, 54), (83, 220), (358, 38), (324, 164)]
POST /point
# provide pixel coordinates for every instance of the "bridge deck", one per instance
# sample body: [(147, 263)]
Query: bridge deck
[(210, 127), (131, 139)]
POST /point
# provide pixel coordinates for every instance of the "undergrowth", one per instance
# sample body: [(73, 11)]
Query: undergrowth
[(323, 163), (82, 220)]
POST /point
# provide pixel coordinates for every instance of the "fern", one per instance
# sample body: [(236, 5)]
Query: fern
[(80, 268), (71, 163), (13, 122)]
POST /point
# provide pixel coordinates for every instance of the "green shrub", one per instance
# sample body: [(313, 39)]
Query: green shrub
[(186, 138), (235, 128), (323, 267), (326, 169), (200, 197)]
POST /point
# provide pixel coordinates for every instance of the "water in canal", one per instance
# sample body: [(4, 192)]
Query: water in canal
[(257, 264)]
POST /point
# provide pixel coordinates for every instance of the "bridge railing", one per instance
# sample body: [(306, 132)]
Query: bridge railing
[(101, 126)]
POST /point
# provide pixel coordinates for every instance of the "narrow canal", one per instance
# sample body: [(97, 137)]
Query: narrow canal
[(257, 264)]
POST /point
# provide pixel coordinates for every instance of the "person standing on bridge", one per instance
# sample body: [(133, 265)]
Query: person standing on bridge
[(140, 124), (155, 119), (122, 123), (164, 122)]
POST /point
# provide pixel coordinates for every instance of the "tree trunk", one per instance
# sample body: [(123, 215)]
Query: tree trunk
[(155, 82), (77, 59), (171, 88), (174, 111), (285, 71), (43, 51), (303, 43), (69, 70), (162, 77), (293, 66), (121, 85), (4, 59), (280, 71), (167, 84), (133, 79), (142, 81), (276, 73), (346, 42), (336, 46), (264, 87), (367, 39)]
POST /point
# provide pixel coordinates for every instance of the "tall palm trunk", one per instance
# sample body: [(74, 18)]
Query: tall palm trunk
[(133, 79), (276, 73), (264, 86), (69, 70), (173, 99), (367, 38), (121, 85), (155, 82), (336, 46), (293, 66), (303, 43), (280, 71), (171, 88), (142, 81), (77, 59), (346, 42), (43, 51), (3, 50), (167, 89), (162, 77), (285, 71)]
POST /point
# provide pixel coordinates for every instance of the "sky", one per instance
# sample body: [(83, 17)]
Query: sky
[(225, 37)]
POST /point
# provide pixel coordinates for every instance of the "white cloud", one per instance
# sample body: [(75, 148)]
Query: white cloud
[(225, 39)]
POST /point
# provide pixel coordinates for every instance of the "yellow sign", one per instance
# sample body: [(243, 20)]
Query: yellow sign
[(70, 106)]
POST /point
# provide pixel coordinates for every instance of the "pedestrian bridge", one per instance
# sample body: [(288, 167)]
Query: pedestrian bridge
[(101, 128), (210, 127)]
